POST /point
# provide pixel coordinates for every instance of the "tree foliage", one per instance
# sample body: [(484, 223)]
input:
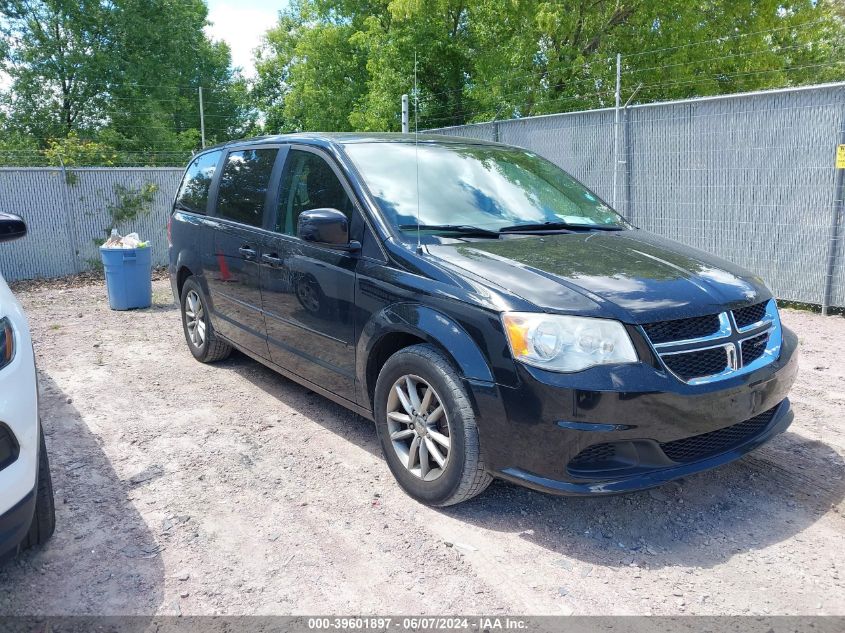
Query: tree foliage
[(120, 73), (115, 81), (344, 64)]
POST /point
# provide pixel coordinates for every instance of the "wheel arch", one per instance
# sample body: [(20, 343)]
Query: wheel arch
[(187, 265), (181, 276), (400, 326)]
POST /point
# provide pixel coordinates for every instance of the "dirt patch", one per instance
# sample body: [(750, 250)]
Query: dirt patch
[(227, 489)]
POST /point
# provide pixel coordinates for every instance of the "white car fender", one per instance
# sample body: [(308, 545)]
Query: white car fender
[(18, 405)]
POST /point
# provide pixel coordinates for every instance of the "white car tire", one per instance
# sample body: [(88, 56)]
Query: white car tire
[(44, 520)]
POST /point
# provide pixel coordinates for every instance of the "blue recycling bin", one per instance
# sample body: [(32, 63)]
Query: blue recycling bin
[(128, 277)]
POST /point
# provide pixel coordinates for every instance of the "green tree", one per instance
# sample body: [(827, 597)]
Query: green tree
[(343, 64), (310, 74), (124, 73), (57, 50)]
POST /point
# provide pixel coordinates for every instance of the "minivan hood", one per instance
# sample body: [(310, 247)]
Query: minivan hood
[(631, 275)]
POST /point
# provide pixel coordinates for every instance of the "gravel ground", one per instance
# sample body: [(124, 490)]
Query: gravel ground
[(227, 489)]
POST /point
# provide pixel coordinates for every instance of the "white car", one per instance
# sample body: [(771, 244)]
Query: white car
[(27, 515)]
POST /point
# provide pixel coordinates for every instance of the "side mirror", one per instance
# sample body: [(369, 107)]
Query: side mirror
[(327, 227), (11, 227)]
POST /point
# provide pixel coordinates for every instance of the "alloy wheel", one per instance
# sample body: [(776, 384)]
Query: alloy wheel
[(195, 319), (419, 427)]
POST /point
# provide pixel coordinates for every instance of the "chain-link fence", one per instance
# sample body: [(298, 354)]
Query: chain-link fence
[(69, 211), (749, 177)]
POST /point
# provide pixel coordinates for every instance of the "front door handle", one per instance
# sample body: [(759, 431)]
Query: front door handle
[(272, 260), (247, 252)]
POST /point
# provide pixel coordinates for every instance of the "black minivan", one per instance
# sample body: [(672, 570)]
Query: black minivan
[(493, 316)]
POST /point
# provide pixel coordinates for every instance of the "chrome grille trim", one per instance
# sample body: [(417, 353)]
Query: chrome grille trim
[(731, 337), (767, 319), (724, 331)]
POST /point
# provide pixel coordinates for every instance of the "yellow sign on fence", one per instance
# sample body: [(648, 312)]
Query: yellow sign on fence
[(840, 157)]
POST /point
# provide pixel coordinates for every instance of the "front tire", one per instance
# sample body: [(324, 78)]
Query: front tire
[(426, 425), (44, 520), (202, 340)]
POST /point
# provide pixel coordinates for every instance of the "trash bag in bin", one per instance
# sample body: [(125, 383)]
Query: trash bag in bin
[(128, 266)]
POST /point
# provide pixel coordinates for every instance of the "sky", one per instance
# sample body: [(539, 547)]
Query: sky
[(241, 23)]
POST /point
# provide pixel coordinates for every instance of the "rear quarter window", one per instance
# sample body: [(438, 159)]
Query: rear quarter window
[(193, 192)]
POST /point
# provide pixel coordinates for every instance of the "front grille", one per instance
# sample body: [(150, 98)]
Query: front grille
[(9, 448), (750, 315), (682, 329), (753, 348), (707, 348), (697, 364), (593, 454), (708, 444)]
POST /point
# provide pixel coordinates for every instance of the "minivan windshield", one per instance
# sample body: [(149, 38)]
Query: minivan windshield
[(475, 190)]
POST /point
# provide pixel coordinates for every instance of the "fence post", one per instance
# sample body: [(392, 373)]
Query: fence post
[(71, 227), (838, 195), (616, 123), (627, 152), (627, 145)]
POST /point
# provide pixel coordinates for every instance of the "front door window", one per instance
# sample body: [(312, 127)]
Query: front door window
[(309, 183)]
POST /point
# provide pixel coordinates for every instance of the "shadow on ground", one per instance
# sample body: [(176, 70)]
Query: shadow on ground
[(103, 559), (701, 521)]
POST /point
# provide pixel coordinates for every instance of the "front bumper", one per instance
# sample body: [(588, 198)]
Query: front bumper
[(19, 415), (531, 434), (15, 523)]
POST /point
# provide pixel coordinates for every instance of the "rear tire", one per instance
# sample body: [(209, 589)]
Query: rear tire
[(44, 520), (202, 340), (411, 434)]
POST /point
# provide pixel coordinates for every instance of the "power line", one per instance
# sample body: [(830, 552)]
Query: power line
[(537, 90), (503, 99), (589, 80), (191, 88), (541, 102), (597, 63), (701, 79), (718, 77), (535, 73), (708, 60), (107, 97), (726, 38)]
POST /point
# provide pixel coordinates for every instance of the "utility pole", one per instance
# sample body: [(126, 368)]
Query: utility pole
[(405, 127), (616, 125), (202, 119), (838, 206)]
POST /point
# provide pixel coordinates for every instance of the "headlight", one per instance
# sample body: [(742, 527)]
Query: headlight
[(567, 343), (7, 342)]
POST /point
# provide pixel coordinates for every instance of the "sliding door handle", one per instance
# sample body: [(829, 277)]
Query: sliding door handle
[(247, 252), (272, 260)]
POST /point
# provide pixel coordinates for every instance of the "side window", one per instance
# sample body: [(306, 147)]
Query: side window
[(243, 185), (308, 183), (193, 192)]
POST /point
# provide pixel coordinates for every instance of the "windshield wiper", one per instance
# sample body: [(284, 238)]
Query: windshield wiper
[(560, 226), (463, 229)]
